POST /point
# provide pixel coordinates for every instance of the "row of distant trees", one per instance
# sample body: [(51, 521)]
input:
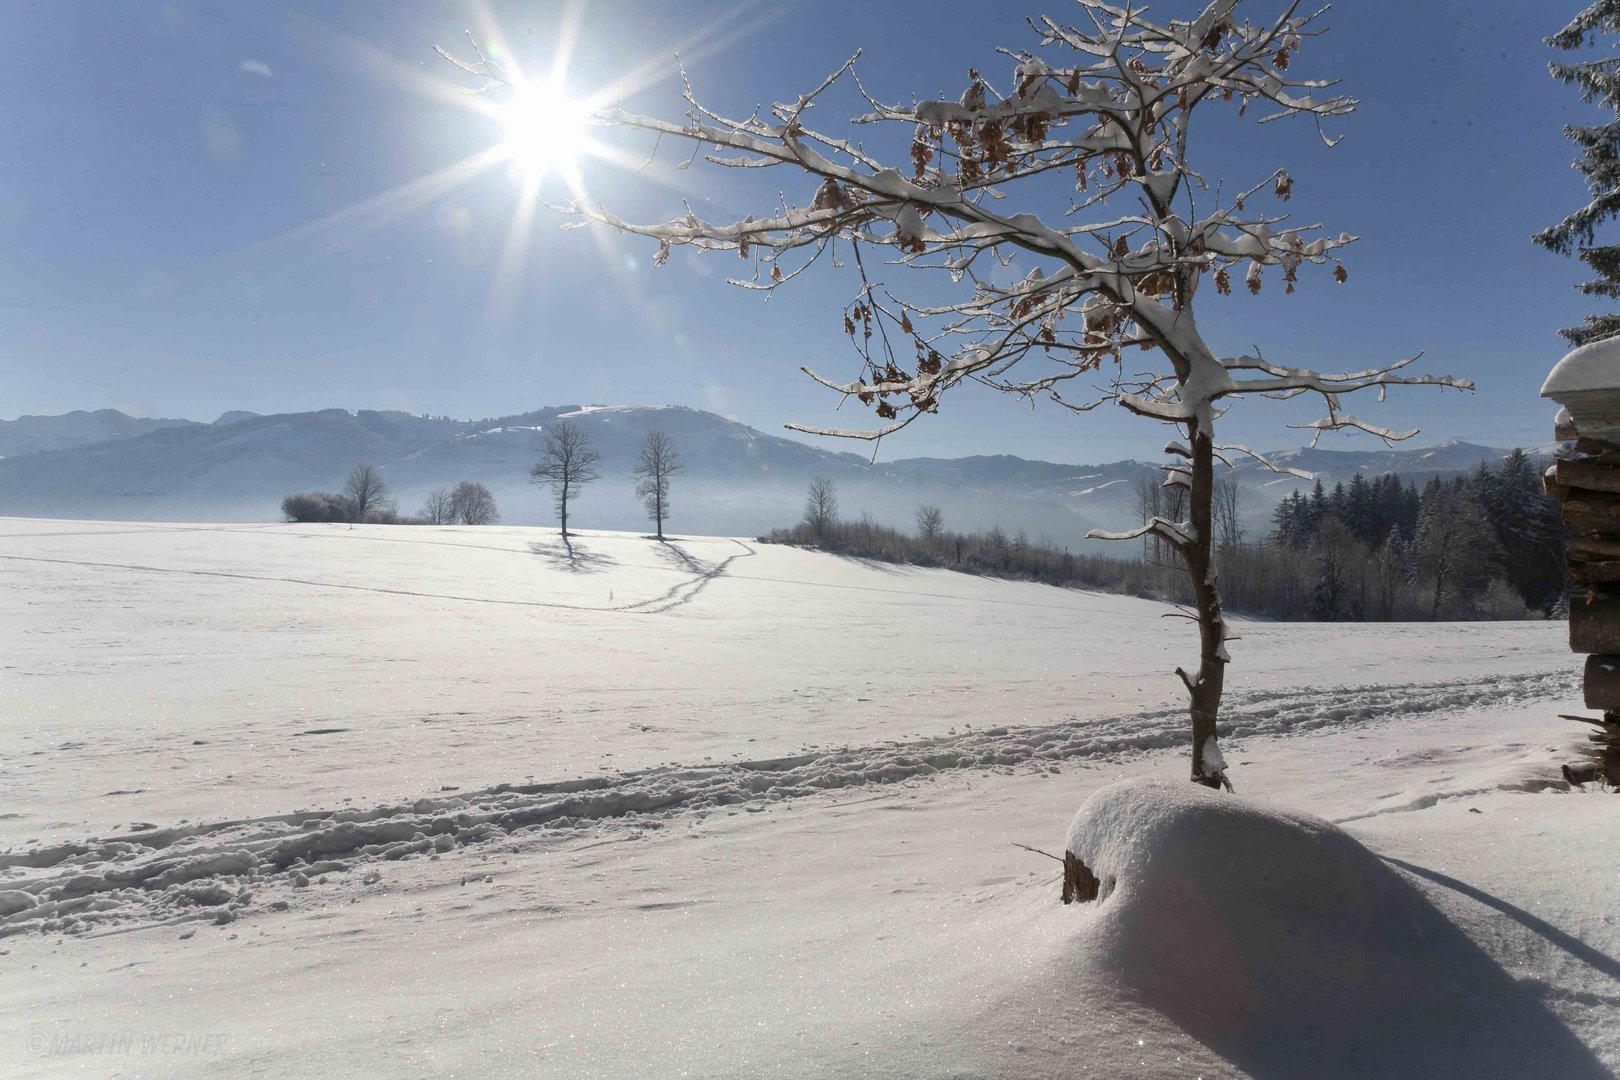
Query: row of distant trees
[(365, 498), (468, 503), (1488, 545), (992, 552), (567, 463)]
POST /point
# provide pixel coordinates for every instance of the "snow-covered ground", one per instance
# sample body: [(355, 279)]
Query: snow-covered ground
[(310, 799)]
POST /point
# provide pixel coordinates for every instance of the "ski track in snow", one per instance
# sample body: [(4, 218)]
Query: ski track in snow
[(672, 598), (219, 870)]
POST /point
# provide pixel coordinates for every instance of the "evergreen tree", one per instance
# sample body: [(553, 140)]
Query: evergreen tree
[(1336, 502), (1411, 507), (1387, 505), (1318, 508), (1599, 163), (1291, 523), (1530, 531), (1282, 522), (1358, 511)]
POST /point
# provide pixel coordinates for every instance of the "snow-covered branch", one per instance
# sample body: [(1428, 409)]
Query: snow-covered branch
[(1265, 462), (1178, 534), (1287, 382)]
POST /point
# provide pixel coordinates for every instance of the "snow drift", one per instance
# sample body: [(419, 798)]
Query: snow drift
[(1283, 944)]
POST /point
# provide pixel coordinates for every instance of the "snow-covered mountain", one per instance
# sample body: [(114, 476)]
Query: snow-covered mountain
[(738, 480)]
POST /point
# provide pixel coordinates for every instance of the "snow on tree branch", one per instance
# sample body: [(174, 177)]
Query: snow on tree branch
[(1178, 534), (1265, 462)]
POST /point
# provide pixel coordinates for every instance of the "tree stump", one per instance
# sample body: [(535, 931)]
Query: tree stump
[(1079, 883)]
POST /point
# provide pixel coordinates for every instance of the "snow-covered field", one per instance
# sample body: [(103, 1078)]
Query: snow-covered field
[(294, 799)]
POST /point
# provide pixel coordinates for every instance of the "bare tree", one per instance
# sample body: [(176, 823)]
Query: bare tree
[(436, 510), (473, 504), (821, 507), (1228, 522), (1147, 507), (1389, 574), (366, 491), (930, 523), (1455, 545), (1157, 499), (658, 462), (567, 463), (1105, 111)]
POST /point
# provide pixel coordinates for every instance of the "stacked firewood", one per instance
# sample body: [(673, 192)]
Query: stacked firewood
[(1586, 482)]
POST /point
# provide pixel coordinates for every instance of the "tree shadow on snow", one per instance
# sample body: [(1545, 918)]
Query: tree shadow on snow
[(868, 563), (1403, 993), (572, 557), (679, 559), (1580, 950)]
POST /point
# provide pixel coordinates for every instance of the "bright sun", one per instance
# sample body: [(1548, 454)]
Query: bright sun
[(545, 132)]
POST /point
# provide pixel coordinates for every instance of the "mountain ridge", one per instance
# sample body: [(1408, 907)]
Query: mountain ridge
[(739, 480), (81, 427)]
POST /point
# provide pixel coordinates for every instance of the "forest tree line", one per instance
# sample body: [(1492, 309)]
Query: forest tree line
[(1485, 545)]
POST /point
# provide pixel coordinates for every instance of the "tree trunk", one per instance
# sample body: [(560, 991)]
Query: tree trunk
[(1207, 687), (1079, 883), (562, 507)]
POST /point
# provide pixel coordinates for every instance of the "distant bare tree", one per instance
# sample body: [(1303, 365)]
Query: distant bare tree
[(367, 491), (658, 462), (821, 507), (1455, 546), (436, 510), (1389, 574), (1155, 501), (930, 523), (1228, 524), (1147, 505), (472, 504), (567, 463)]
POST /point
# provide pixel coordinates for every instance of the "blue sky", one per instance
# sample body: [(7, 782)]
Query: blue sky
[(189, 219)]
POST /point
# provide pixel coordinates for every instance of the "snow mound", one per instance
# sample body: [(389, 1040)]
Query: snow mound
[(1283, 944), (1593, 366)]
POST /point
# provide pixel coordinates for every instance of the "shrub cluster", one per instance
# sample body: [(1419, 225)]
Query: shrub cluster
[(317, 506)]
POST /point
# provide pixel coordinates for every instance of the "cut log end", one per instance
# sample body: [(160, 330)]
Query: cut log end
[(1079, 883), (1601, 683)]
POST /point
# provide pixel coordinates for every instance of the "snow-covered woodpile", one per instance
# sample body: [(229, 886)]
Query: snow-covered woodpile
[(1586, 482)]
